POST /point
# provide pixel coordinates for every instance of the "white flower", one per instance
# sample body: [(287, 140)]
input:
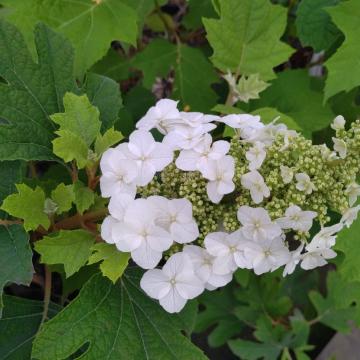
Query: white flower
[(118, 173), (350, 216), (338, 123), (353, 191), (246, 124), (254, 182), (297, 219), (174, 284), (139, 234), (304, 183), (175, 216), (186, 137), (199, 157), (203, 264), (327, 154), (316, 257), (289, 135), (340, 147), (295, 258), (149, 155), (256, 155), (257, 224), (267, 255), (268, 133), (160, 116), (287, 174), (118, 205), (228, 250), (195, 119), (325, 238), (220, 174)]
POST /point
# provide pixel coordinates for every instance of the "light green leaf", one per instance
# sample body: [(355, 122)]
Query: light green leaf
[(343, 66), (63, 196), (84, 197), (69, 146), (71, 248), (292, 94), (136, 326), (19, 325), (314, 25), (27, 204), (104, 93), (110, 138), (89, 25), (34, 91), (113, 261), (250, 87), (16, 258), (246, 38), (80, 117), (194, 75)]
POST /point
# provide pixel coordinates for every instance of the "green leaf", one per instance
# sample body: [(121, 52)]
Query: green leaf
[(89, 25), (194, 76), (80, 117), (113, 261), (19, 325), (269, 114), (84, 197), (292, 94), (63, 196), (118, 321), (104, 93), (250, 87), (246, 37), (69, 146), (27, 204), (348, 241), (343, 66), (16, 258), (250, 350), (110, 138), (314, 25), (155, 60), (71, 248), (33, 91), (197, 9)]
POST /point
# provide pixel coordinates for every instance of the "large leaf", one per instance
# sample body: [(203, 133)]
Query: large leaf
[(19, 325), (89, 25), (118, 322), (16, 257), (348, 241), (314, 24), (33, 91), (343, 66), (291, 94), (246, 37), (71, 248)]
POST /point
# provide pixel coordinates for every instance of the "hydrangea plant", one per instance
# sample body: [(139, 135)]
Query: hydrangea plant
[(259, 200)]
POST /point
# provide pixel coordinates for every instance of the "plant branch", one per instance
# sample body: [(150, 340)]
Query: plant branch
[(10, 222), (47, 295)]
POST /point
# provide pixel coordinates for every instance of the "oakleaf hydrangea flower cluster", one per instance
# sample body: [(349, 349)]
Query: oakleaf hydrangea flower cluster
[(202, 208)]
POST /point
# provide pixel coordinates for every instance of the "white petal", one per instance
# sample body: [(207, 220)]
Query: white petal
[(118, 204), (161, 156), (184, 233), (189, 287), (178, 263), (145, 256), (141, 142), (173, 302), (212, 191), (187, 160), (219, 280), (126, 237), (106, 229), (215, 243), (159, 239), (155, 283)]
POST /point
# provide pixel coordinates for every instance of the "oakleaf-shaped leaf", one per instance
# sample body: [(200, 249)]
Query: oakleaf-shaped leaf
[(113, 262), (246, 38), (63, 196), (84, 197), (27, 204), (71, 248), (250, 87), (19, 325), (16, 258), (80, 117), (110, 138), (89, 25), (33, 91), (119, 322), (343, 66)]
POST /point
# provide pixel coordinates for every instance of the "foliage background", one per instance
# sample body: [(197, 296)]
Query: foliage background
[(124, 55)]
